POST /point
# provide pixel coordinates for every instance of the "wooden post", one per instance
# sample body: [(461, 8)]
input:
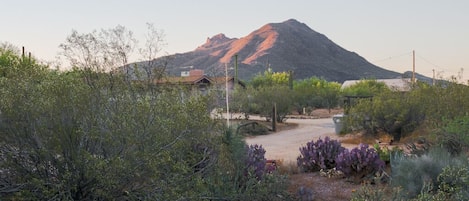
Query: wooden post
[(433, 81)]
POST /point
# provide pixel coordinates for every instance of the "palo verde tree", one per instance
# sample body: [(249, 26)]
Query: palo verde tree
[(270, 78), (365, 88), (316, 93), (263, 92), (400, 113)]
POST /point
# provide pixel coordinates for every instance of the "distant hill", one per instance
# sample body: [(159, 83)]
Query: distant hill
[(289, 45), (421, 78)]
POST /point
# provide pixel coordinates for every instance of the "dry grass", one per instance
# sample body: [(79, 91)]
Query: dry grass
[(289, 168), (323, 188), (357, 140)]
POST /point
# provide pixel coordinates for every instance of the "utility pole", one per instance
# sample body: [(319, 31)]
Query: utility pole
[(226, 97), (433, 81), (236, 70), (413, 66)]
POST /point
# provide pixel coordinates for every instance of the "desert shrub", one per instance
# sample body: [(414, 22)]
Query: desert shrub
[(414, 173), (319, 155), (393, 112), (271, 187), (289, 167), (241, 173), (453, 185), (454, 182), (368, 192), (454, 135), (255, 161), (359, 162), (400, 113), (252, 128), (384, 153)]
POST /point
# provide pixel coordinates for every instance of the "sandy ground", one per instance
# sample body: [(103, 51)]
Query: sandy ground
[(284, 145)]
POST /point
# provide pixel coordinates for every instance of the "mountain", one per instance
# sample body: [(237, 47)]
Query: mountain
[(289, 45)]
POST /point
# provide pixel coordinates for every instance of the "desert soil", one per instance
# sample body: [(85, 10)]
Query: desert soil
[(284, 145)]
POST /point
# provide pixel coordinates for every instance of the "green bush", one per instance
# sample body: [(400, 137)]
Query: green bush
[(395, 113), (252, 128), (414, 173), (231, 181), (384, 152), (454, 181), (453, 185), (454, 135), (401, 113), (64, 139)]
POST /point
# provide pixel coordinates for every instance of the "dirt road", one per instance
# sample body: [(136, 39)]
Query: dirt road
[(284, 145)]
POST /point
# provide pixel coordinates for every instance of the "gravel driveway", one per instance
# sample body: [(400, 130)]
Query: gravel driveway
[(284, 145)]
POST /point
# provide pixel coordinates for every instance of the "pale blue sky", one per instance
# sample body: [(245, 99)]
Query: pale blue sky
[(383, 32)]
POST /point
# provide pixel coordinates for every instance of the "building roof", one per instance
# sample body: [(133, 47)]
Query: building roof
[(400, 84), (189, 80)]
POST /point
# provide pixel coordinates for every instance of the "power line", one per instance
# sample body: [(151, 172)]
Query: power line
[(426, 60), (393, 57)]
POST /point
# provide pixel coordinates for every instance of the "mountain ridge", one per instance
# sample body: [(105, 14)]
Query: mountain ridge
[(284, 46)]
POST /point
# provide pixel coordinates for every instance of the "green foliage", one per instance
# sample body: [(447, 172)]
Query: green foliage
[(453, 185), (270, 78), (415, 173), (369, 192), (246, 101), (395, 113), (235, 176), (250, 128), (365, 88), (400, 113), (262, 100), (86, 135), (454, 135), (72, 140), (443, 102), (384, 152), (454, 181), (316, 93)]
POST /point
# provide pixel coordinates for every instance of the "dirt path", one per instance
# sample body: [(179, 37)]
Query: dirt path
[(284, 145)]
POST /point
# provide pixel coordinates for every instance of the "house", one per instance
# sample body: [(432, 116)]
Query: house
[(196, 80), (399, 84)]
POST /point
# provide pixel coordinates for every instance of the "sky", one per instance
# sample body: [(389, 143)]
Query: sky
[(383, 32)]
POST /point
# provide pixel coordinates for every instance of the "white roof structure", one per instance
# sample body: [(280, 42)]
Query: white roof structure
[(399, 84)]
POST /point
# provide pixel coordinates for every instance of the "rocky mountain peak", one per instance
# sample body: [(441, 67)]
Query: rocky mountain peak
[(288, 45), (215, 41)]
